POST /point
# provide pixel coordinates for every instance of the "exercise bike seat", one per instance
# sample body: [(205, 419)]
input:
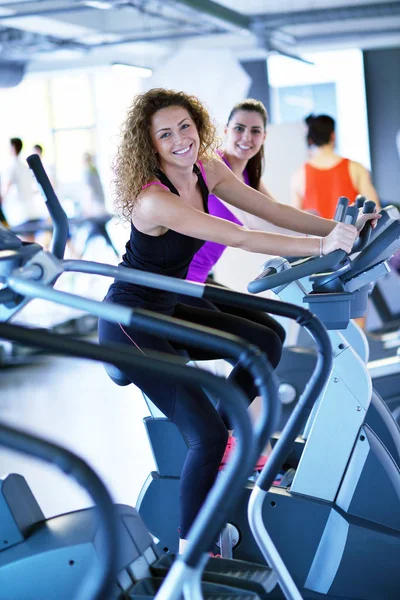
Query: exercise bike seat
[(116, 375)]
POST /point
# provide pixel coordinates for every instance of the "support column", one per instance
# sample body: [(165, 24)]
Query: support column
[(382, 85)]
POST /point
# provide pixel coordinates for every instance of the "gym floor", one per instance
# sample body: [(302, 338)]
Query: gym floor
[(73, 402)]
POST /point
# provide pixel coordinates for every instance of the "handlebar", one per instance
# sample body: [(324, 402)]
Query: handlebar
[(57, 214), (351, 215), (364, 237), (341, 209), (269, 278)]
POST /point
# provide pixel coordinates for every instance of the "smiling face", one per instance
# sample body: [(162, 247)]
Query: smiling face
[(245, 134), (175, 137)]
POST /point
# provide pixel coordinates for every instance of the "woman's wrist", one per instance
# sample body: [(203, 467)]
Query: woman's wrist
[(317, 248)]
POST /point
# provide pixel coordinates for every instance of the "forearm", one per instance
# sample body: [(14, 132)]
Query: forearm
[(250, 221), (277, 244), (262, 204), (294, 219)]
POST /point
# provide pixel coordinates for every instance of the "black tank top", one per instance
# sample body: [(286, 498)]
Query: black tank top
[(168, 254)]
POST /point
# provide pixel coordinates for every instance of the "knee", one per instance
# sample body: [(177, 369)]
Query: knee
[(107, 332), (218, 437), (222, 438), (269, 340), (274, 350), (216, 445), (213, 440), (280, 331)]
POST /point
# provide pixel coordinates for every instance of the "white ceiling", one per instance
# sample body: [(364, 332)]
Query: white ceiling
[(250, 7), (47, 33)]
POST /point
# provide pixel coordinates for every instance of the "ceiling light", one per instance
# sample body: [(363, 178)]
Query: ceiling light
[(6, 12), (132, 70), (100, 4), (100, 38)]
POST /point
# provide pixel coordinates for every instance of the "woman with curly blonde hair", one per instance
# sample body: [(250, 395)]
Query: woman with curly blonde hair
[(165, 169), (136, 161)]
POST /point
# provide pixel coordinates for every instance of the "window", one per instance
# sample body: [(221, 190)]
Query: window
[(334, 85)]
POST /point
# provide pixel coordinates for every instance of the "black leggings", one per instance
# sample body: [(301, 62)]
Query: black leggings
[(254, 316), (189, 408)]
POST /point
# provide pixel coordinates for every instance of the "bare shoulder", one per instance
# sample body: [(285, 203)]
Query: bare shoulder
[(150, 200), (216, 171), (357, 171), (149, 208), (362, 180), (356, 166)]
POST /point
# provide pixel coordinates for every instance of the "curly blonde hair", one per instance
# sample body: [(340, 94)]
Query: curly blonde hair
[(136, 161)]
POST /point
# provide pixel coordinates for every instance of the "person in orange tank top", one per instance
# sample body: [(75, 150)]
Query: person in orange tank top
[(317, 185)]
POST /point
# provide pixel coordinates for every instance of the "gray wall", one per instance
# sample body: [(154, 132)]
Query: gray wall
[(382, 83), (259, 89)]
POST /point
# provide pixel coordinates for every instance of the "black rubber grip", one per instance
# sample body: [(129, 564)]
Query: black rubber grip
[(341, 208), (369, 207), (360, 201), (351, 215)]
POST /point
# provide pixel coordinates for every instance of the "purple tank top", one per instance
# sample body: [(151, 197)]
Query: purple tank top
[(209, 254)]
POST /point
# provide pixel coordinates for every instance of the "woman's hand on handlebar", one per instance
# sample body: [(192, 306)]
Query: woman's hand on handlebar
[(342, 237), (365, 217)]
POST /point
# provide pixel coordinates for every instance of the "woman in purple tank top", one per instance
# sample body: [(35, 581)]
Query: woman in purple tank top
[(244, 154)]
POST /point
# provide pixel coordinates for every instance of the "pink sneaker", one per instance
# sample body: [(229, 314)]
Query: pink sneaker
[(230, 446), (260, 464)]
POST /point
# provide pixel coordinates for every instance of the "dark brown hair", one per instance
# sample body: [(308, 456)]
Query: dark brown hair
[(16, 143), (255, 165), (320, 129)]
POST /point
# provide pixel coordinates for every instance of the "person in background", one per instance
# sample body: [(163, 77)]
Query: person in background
[(37, 149), (93, 207), (43, 235), (93, 203), (243, 153), (318, 184), (38, 198), (3, 219), (17, 191)]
